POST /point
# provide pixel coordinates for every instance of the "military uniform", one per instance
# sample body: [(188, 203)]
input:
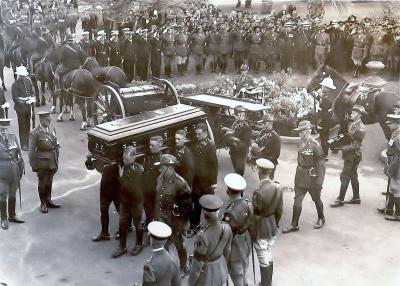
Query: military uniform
[(376, 51), (322, 44), (87, 47), (23, 88), (269, 42), (197, 49), (289, 48), (185, 165), (168, 50), (212, 248), (102, 52), (11, 171), (43, 158), (255, 50), (128, 55), (270, 141), (223, 49), (326, 105), (242, 131), (304, 53), (239, 47), (212, 48), (392, 171), (150, 176), (115, 54), (155, 56), (181, 42), (359, 51), (142, 56)]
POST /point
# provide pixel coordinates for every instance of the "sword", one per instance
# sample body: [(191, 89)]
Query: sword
[(252, 257), (387, 195)]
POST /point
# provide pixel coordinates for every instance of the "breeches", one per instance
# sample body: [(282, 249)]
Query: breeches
[(300, 193), (263, 248)]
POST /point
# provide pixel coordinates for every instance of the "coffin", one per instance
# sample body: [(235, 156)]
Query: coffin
[(106, 141)]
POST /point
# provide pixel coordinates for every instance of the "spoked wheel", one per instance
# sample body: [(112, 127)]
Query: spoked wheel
[(107, 105)]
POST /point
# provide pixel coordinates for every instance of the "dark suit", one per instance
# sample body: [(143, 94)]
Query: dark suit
[(128, 55), (23, 88), (161, 269), (185, 165), (242, 131), (142, 57), (43, 158), (155, 55), (150, 176)]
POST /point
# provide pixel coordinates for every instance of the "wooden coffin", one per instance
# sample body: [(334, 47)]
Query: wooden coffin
[(106, 141)]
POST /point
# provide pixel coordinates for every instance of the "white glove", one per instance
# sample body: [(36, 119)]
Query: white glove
[(5, 105)]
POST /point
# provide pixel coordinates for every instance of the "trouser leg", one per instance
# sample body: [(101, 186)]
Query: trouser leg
[(137, 216), (180, 248), (49, 184), (316, 197), (297, 205), (390, 202), (42, 185), (238, 279), (124, 221), (345, 178), (195, 217), (355, 183), (149, 201), (105, 202), (11, 206), (24, 126)]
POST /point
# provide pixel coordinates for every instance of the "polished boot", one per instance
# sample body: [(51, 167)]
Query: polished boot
[(11, 211), (3, 215), (343, 188), (396, 215), (266, 275), (295, 221), (43, 204), (119, 252), (52, 204), (337, 203)]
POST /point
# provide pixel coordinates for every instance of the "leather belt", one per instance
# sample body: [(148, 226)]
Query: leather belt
[(204, 258)]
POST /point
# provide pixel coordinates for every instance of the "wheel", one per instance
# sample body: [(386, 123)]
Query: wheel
[(107, 105)]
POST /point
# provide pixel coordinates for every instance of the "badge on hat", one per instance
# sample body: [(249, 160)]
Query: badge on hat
[(235, 182)]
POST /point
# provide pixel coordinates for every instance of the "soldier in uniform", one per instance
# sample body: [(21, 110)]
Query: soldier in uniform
[(102, 49), (238, 215), (155, 54), (212, 247), (239, 46), (322, 46), (241, 131), (142, 54), (43, 158), (197, 48), (115, 54), (206, 170), (255, 50), (185, 165), (150, 176), (352, 157), (181, 47), (376, 51), (11, 171), (304, 44), (128, 55), (168, 49), (23, 96), (242, 82), (359, 51), (392, 170), (267, 143), (212, 48), (269, 43), (162, 268), (174, 205), (131, 201), (289, 47), (267, 207), (223, 48), (310, 174), (86, 44)]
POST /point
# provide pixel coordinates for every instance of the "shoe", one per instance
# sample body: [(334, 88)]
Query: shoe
[(291, 228), (392, 217), (136, 250), (385, 211), (53, 205), (320, 223), (119, 252), (337, 203), (353, 201), (101, 237), (4, 224), (15, 220), (43, 208), (184, 271)]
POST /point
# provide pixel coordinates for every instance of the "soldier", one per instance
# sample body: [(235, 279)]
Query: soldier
[(155, 54), (238, 215), (131, 201), (174, 205), (206, 170), (268, 142), (392, 170), (267, 207), (359, 51), (87, 45), (185, 165), (322, 46), (269, 42), (37, 21), (115, 55), (289, 47), (23, 96), (242, 82), (43, 158), (255, 50), (376, 37), (4, 105), (128, 55), (352, 157), (212, 247), (11, 170), (304, 44), (242, 132), (212, 48), (181, 47), (239, 46), (102, 49), (142, 54), (150, 176), (197, 48), (162, 268), (168, 50), (310, 174), (326, 105), (223, 48)]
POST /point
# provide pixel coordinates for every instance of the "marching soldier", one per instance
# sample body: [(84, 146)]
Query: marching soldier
[(162, 268), (238, 215), (150, 176), (131, 201), (212, 247), (310, 174), (168, 50), (206, 170), (267, 207), (241, 131), (174, 205), (352, 157), (185, 165), (268, 143), (43, 158), (23, 96), (11, 170), (392, 170)]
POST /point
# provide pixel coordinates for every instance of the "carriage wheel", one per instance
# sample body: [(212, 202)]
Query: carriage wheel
[(107, 105)]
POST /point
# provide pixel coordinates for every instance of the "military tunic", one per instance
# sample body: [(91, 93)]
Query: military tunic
[(270, 141), (150, 176), (161, 269), (242, 131), (359, 51), (322, 42)]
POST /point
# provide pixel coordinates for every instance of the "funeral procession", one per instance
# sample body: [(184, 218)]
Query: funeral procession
[(199, 142)]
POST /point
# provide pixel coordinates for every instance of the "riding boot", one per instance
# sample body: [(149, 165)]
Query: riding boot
[(265, 275), (296, 216), (356, 189), (3, 215), (11, 211), (396, 215)]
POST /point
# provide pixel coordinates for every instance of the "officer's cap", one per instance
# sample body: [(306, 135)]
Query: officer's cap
[(85, 33), (265, 164), (166, 159), (114, 32), (235, 182), (375, 65), (5, 122), (360, 109), (43, 114), (21, 70), (304, 125), (101, 33), (239, 109), (211, 203), (159, 230), (393, 118)]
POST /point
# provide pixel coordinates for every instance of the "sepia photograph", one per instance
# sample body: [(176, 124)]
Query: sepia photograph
[(199, 143)]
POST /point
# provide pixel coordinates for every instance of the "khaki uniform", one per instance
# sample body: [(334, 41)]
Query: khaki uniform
[(161, 269)]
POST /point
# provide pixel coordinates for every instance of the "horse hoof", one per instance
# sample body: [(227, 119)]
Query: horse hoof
[(60, 120)]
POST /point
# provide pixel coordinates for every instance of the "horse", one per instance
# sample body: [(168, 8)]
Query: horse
[(79, 86), (110, 74), (378, 102), (44, 72)]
